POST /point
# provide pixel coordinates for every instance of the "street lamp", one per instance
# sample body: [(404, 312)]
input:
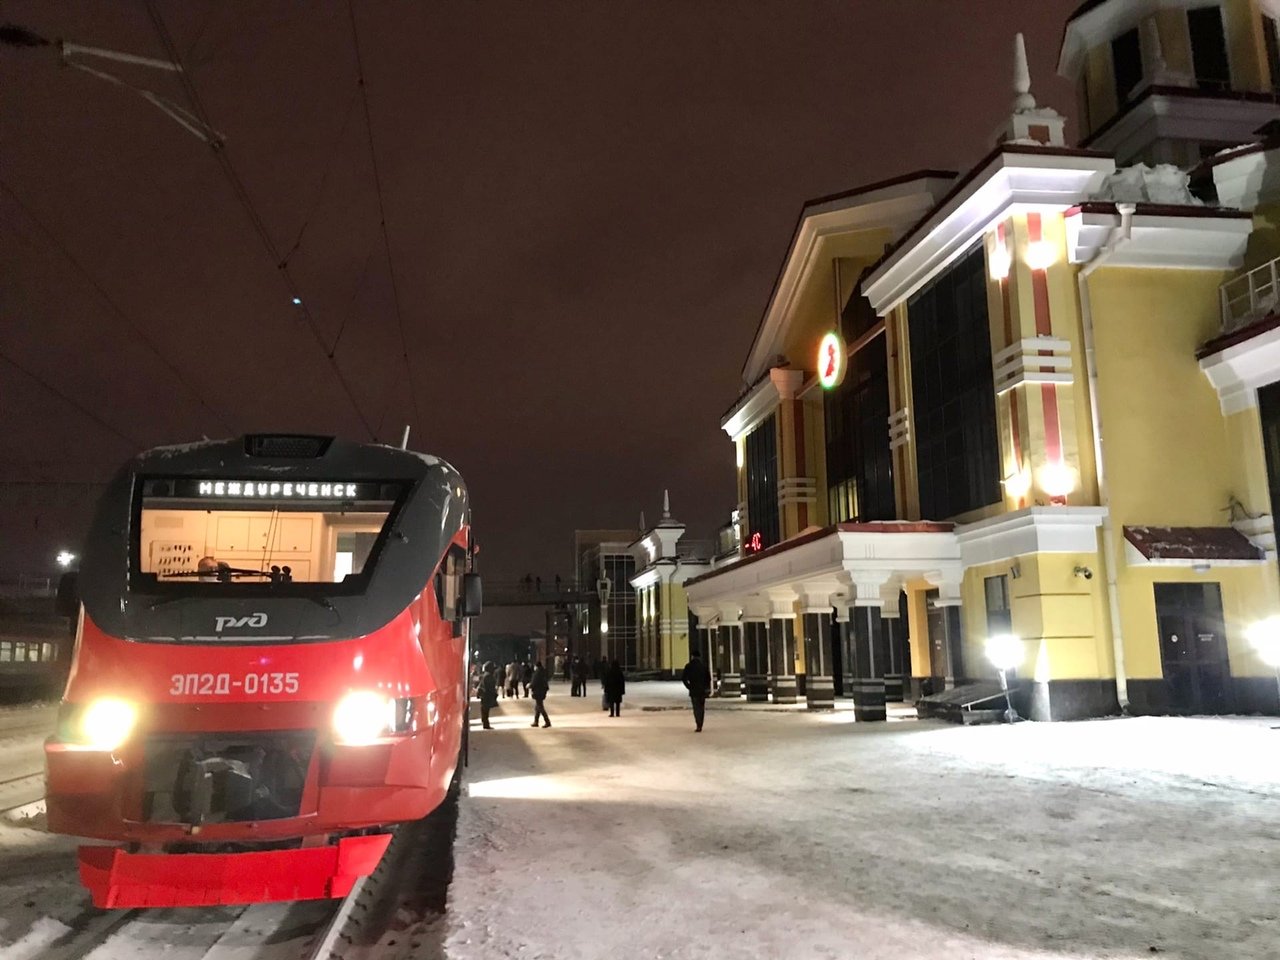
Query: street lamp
[(65, 558), (1005, 651), (1265, 637)]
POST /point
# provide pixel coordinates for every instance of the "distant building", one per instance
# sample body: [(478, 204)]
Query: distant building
[(603, 559), (664, 561), (1038, 399)]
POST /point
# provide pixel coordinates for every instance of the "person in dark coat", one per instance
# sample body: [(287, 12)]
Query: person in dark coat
[(538, 684), (697, 680), (488, 693), (615, 685), (579, 678), (526, 675)]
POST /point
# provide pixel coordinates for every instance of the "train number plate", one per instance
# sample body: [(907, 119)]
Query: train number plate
[(224, 685)]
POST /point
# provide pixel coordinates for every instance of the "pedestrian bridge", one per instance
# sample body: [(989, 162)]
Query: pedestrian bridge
[(538, 592)]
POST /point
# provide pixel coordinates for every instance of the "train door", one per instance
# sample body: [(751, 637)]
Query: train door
[(1193, 647)]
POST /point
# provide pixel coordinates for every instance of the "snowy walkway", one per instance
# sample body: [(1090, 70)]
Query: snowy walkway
[(789, 834)]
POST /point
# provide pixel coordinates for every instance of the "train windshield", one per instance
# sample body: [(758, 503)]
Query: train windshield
[(243, 533)]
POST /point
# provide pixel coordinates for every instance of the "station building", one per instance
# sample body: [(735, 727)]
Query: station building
[(1037, 399)]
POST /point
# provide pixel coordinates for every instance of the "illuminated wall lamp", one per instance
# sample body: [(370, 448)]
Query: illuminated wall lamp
[(1000, 262), (1057, 480), (1041, 255), (1017, 485)]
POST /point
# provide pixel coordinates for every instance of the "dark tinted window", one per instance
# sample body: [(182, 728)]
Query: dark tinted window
[(957, 451), (859, 465), (1126, 60), (1273, 50), (762, 483), (1209, 48)]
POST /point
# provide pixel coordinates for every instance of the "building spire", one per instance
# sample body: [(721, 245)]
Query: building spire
[(666, 505), (643, 526), (1023, 100), (1029, 123)]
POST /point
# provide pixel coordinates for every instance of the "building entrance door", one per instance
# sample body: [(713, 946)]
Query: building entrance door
[(1193, 647), (944, 644)]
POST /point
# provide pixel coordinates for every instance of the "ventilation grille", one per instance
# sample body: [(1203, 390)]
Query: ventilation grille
[(286, 447)]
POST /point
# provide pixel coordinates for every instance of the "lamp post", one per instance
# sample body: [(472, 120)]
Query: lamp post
[(604, 587), (1005, 652), (1265, 637)]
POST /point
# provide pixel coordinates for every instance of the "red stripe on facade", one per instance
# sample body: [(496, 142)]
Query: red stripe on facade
[(1044, 327), (1015, 426)]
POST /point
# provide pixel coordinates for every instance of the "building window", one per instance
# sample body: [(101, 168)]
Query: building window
[(1272, 40), (1126, 63), (621, 610), (762, 483), (1209, 48), (859, 462), (957, 451), (999, 614)]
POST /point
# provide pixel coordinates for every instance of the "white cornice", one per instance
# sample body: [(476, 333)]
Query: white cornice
[(1237, 371), (1104, 23), (1170, 116), (1011, 182), (893, 207), (1033, 530), (1196, 241), (782, 383)]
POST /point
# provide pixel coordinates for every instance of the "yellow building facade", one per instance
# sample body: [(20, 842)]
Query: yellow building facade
[(1037, 400)]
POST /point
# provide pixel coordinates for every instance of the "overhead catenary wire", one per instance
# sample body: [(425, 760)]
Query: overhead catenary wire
[(229, 173), (66, 398), (116, 310), (382, 218)]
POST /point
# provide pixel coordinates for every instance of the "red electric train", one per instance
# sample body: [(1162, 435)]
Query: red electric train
[(270, 669)]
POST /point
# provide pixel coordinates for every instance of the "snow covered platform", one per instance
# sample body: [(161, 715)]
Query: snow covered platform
[(786, 833)]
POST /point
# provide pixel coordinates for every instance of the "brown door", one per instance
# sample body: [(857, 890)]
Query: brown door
[(1193, 647)]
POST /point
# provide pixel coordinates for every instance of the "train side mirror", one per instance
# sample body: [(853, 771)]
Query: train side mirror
[(66, 601), (472, 595)]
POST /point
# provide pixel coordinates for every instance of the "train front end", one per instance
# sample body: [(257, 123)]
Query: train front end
[(269, 669)]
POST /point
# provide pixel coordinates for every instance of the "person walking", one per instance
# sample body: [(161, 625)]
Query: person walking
[(488, 693), (615, 685), (697, 680), (579, 677), (511, 680), (538, 684), (526, 674)]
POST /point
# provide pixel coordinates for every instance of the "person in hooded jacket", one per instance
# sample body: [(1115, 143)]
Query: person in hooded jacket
[(615, 685), (526, 675), (488, 693), (538, 687), (697, 680)]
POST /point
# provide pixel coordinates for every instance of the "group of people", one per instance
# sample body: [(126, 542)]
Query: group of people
[(533, 677)]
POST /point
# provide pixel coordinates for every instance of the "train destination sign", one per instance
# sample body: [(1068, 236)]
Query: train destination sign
[(264, 489)]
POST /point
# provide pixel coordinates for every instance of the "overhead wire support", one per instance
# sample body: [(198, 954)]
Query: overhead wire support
[(246, 202), (114, 307), (382, 218)]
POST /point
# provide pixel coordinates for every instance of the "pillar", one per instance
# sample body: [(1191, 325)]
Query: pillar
[(755, 667), (895, 640), (868, 683), (782, 654), (820, 691), (730, 660), (844, 638)]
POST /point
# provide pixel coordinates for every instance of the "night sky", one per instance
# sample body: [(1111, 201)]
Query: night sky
[(586, 206)]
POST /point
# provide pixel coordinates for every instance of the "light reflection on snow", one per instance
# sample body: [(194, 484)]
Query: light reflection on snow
[(525, 788)]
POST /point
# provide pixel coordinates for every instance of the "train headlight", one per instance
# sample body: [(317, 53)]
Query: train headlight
[(363, 717), (107, 723)]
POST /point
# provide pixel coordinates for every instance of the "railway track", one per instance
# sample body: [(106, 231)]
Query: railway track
[(397, 912)]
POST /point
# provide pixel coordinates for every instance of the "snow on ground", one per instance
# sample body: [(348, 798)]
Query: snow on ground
[(22, 733), (780, 833), (792, 834)]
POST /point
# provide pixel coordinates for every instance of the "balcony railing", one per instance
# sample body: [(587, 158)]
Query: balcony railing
[(1250, 296)]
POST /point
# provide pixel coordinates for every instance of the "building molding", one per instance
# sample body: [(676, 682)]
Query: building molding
[(1167, 237), (889, 205), (1015, 179), (1238, 370), (1030, 530), (899, 428), (1034, 360)]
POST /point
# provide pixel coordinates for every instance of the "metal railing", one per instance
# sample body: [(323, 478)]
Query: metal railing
[(1250, 296)]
